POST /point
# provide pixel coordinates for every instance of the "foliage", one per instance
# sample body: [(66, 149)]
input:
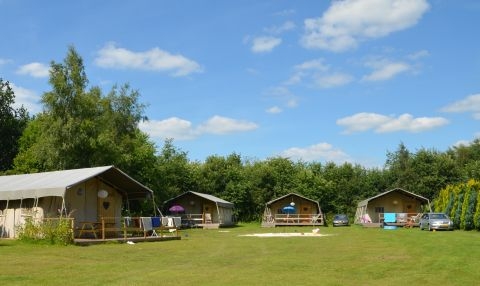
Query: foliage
[(52, 231), (460, 202), (82, 128), (12, 123)]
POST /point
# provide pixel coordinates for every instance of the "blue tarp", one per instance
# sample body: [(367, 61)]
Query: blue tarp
[(389, 217)]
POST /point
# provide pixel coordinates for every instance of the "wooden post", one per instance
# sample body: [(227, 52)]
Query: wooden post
[(103, 228)]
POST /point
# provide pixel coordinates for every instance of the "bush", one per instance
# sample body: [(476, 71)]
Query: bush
[(53, 231)]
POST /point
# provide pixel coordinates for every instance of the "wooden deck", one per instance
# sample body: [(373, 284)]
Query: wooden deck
[(135, 229)]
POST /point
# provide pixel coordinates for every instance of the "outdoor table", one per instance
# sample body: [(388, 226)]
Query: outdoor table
[(88, 227)]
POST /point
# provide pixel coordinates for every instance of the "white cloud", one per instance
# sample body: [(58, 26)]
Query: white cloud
[(284, 13), (469, 104), (153, 60), (383, 124), (317, 71), (180, 129), (460, 143), (265, 44), (384, 70), (306, 69), (347, 22), (173, 127), (34, 69), (284, 95), (28, 98), (274, 110), (316, 64), (285, 27), (332, 80), (317, 152), (418, 55), (223, 125), (4, 61)]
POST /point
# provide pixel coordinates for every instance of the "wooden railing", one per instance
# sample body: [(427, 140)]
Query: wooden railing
[(124, 227), (307, 219), (401, 218), (192, 220)]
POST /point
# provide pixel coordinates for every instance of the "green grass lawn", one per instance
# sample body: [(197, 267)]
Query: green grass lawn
[(349, 256)]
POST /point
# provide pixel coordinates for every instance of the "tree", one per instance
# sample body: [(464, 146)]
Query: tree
[(12, 123), (399, 167), (173, 175), (81, 128)]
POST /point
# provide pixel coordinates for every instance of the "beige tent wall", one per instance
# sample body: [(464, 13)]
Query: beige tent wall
[(81, 202), (84, 204), (226, 215), (392, 203)]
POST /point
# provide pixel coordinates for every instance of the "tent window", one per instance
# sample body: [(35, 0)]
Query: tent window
[(379, 210)]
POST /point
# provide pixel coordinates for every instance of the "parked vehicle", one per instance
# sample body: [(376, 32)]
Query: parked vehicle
[(435, 221), (340, 220)]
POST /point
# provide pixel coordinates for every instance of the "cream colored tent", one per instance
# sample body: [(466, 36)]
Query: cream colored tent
[(393, 201), (84, 194)]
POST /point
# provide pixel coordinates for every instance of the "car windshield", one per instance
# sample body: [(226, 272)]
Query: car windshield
[(341, 217), (438, 216)]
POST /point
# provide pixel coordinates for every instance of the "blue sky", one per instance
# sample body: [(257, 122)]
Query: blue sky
[(341, 81)]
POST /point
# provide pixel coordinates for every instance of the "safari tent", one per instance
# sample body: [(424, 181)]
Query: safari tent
[(292, 209), (198, 209), (397, 202), (82, 194)]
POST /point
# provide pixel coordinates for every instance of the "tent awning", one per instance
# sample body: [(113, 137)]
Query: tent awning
[(56, 183)]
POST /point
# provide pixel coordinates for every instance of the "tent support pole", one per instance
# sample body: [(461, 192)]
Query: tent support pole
[(64, 209)]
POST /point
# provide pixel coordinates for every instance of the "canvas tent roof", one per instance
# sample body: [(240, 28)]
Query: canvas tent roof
[(218, 201), (288, 195), (407, 193), (56, 183)]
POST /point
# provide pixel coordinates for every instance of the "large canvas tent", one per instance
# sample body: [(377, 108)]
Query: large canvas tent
[(83, 194), (201, 209)]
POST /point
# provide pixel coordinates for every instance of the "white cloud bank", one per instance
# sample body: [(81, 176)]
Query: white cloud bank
[(152, 60), (469, 104), (384, 124), (321, 151), (180, 129), (348, 22), (35, 69)]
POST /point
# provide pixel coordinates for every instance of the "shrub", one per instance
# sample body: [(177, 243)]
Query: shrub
[(53, 231)]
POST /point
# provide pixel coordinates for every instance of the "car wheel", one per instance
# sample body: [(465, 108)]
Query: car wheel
[(429, 227), (420, 226)]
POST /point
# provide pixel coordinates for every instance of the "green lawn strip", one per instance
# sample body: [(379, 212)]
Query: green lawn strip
[(348, 256)]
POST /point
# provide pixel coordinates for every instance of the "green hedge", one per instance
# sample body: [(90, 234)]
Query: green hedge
[(462, 203)]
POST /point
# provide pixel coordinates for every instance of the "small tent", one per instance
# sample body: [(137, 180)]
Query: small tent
[(292, 209), (83, 194), (198, 209), (396, 201)]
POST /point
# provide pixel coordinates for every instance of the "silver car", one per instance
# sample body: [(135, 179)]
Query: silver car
[(340, 220), (435, 221)]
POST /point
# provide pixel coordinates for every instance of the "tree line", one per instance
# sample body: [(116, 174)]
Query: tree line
[(81, 126)]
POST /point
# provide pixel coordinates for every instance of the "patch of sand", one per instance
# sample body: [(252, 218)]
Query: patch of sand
[(287, 234)]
